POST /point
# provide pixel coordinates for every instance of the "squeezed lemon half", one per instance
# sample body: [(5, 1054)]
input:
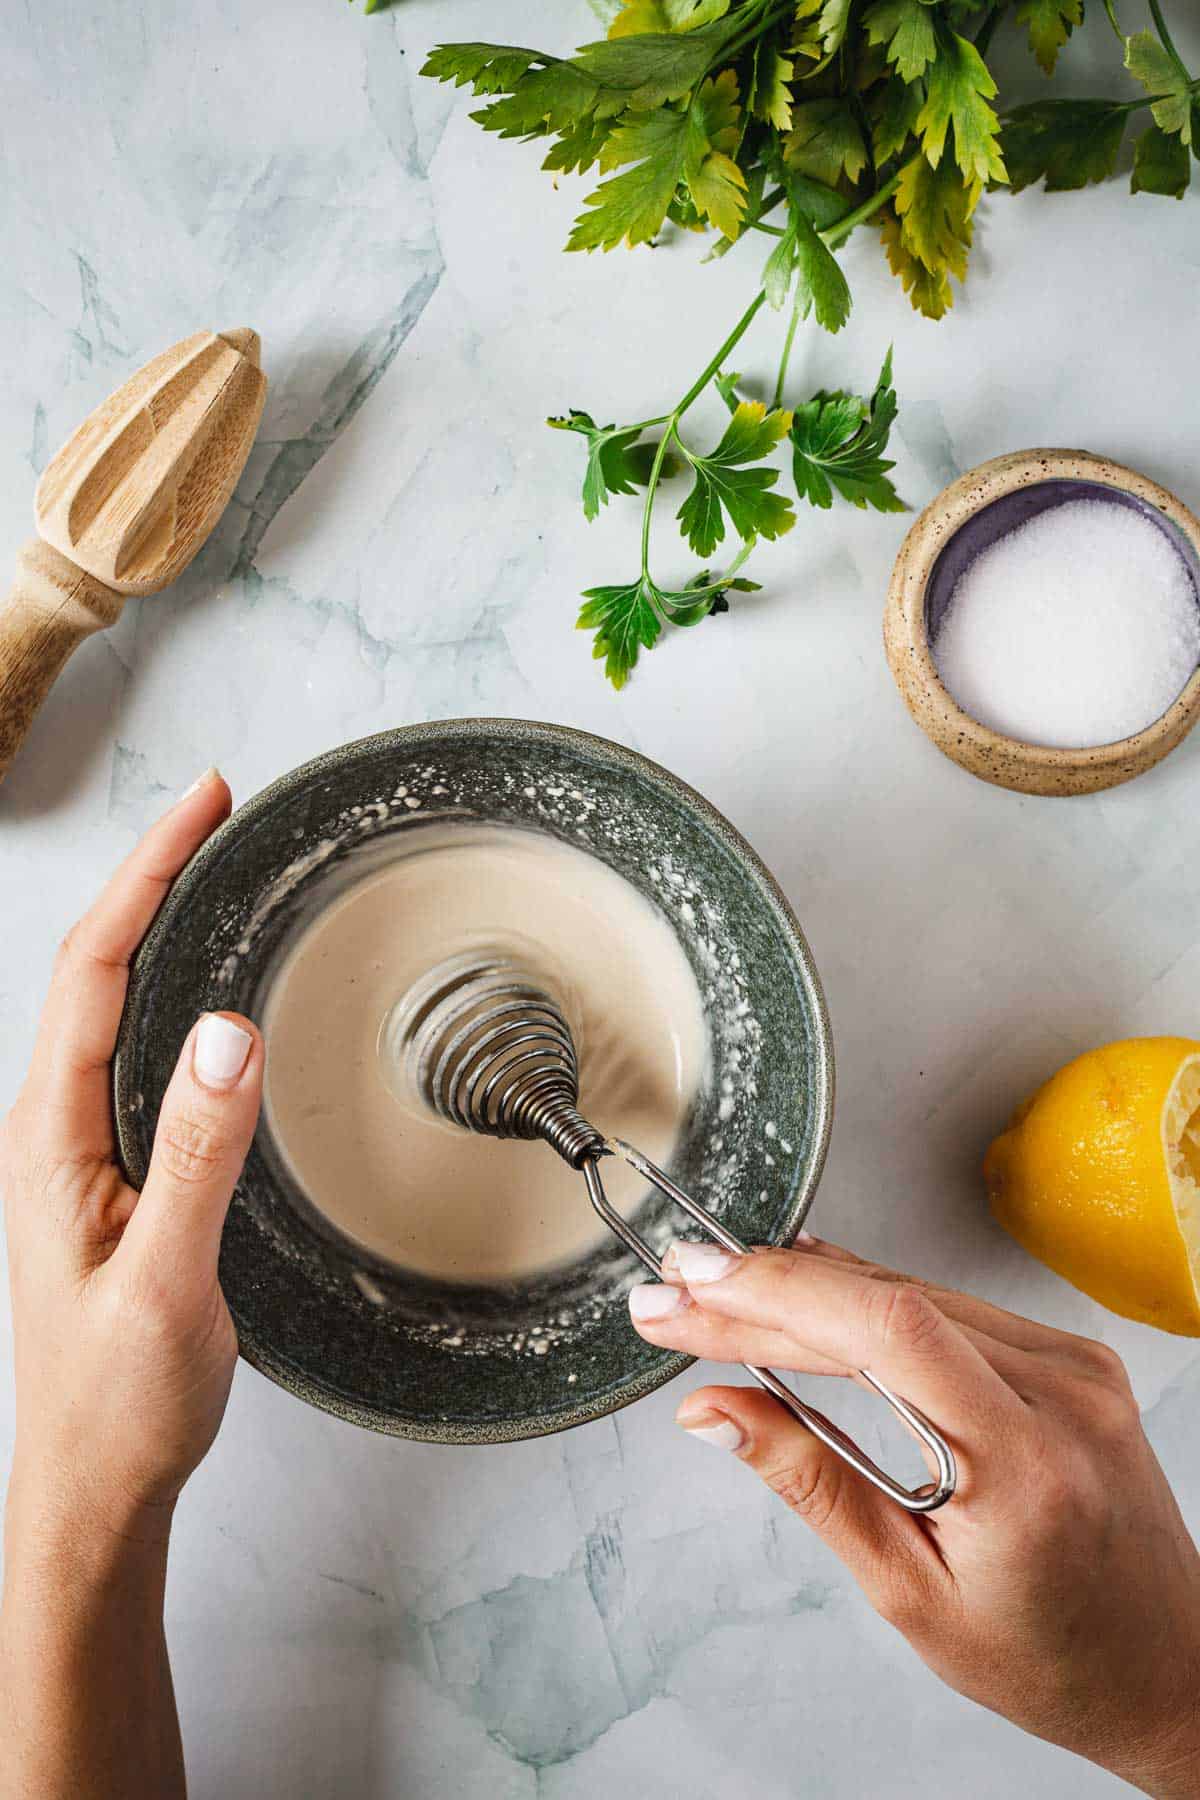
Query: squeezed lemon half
[(1098, 1176)]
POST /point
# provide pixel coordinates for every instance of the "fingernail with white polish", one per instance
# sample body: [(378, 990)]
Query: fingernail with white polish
[(805, 1237), (725, 1436), (700, 1263), (209, 774), (220, 1051), (656, 1300)]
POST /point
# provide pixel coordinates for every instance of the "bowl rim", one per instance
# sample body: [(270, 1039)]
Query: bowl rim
[(1007, 761), (405, 737)]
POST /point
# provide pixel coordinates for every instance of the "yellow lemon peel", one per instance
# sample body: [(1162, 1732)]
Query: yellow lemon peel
[(1098, 1176)]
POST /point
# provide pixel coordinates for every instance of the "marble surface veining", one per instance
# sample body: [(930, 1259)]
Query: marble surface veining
[(618, 1609)]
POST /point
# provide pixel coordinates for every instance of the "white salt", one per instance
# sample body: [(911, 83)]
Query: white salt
[(1078, 628)]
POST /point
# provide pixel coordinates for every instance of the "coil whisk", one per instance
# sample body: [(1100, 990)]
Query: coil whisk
[(490, 1051)]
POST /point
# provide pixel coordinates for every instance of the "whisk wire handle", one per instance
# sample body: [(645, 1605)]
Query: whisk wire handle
[(490, 1052), (914, 1500)]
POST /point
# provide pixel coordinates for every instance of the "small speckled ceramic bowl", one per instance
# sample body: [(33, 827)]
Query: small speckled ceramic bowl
[(377, 1344), (967, 518)]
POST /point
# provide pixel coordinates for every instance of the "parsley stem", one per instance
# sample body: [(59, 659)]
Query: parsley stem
[(660, 456), (833, 234), (739, 559), (770, 16), (736, 335), (1160, 25), (787, 351), (672, 419), (986, 32), (1110, 9), (840, 230), (1120, 106), (752, 222)]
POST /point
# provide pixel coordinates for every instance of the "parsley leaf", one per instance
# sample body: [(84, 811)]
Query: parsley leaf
[(825, 142), (579, 147), (625, 622), (935, 211), (1050, 23), (632, 206), (893, 108), (957, 93), (823, 205), (616, 464), (543, 101), (824, 24), (1161, 74), (726, 385), (929, 290), (486, 68), (640, 73), (906, 27), (714, 180), (703, 595), (628, 618), (779, 268), (667, 146), (769, 96), (1068, 143), (655, 67), (1161, 164), (637, 16), (839, 439), (724, 485), (821, 288), (928, 234)]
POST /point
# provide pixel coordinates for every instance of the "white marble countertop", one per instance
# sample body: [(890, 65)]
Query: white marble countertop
[(353, 1616)]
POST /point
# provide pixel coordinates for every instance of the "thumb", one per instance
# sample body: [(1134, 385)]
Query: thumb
[(886, 1550), (204, 1131)]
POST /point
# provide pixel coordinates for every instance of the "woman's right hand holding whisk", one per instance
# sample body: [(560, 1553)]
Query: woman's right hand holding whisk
[(1059, 1586)]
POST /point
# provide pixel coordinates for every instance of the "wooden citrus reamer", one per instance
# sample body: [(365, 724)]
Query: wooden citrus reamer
[(124, 507)]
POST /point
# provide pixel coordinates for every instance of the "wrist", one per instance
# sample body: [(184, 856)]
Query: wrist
[(84, 1679), (1171, 1768), (73, 1571), (1165, 1761), (78, 1532)]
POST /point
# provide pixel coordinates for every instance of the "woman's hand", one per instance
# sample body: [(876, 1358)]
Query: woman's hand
[(124, 1348), (1059, 1586)]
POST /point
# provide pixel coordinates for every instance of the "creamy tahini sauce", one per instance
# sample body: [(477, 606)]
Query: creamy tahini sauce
[(416, 1190)]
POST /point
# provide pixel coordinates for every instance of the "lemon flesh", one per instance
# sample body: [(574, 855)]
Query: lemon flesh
[(1098, 1176)]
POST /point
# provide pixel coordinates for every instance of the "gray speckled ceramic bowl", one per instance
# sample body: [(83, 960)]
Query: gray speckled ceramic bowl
[(378, 1344)]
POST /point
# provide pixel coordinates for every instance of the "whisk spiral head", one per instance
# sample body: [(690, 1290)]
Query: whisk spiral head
[(490, 1051)]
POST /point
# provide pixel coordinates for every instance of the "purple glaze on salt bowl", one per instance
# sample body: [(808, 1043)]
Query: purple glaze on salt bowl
[(995, 520)]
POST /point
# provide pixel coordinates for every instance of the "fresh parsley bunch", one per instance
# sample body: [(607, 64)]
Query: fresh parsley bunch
[(799, 121)]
